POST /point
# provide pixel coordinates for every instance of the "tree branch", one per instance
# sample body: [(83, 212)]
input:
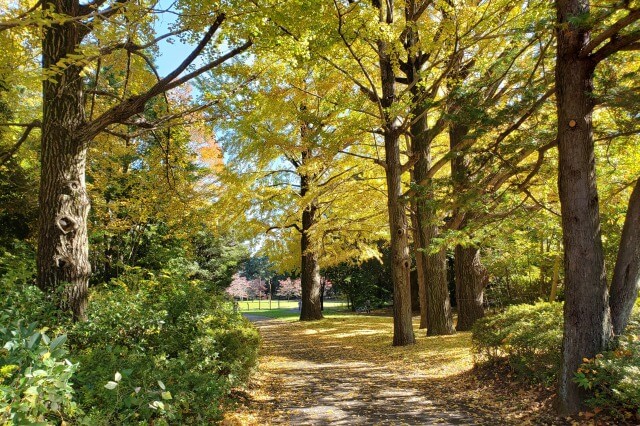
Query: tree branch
[(6, 156), (610, 33)]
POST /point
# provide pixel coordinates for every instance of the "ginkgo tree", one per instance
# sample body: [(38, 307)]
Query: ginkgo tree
[(292, 168), (75, 37)]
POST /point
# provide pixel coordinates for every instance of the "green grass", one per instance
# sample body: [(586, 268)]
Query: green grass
[(288, 309), (263, 305)]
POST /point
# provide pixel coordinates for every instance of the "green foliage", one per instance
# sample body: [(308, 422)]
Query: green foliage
[(161, 328), (613, 377), (370, 281), (18, 293), (528, 337), (35, 375)]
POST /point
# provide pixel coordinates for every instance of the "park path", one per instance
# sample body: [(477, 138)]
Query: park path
[(307, 382)]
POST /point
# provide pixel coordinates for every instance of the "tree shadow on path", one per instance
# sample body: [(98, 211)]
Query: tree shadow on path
[(343, 371)]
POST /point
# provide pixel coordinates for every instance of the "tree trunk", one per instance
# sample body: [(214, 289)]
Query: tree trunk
[(63, 247), (420, 267), (400, 258), (626, 274), (587, 325), (470, 275), (435, 305), (471, 279), (398, 226), (554, 282), (310, 275)]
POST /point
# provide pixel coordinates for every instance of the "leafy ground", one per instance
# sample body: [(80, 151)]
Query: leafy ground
[(343, 371)]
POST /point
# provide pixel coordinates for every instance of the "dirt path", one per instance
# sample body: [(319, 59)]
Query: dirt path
[(343, 371), (333, 385)]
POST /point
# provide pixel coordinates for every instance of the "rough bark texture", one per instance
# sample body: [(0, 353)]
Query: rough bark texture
[(310, 274), (587, 326), (435, 305), (471, 279), (63, 247), (470, 275), (626, 274), (400, 257), (420, 268)]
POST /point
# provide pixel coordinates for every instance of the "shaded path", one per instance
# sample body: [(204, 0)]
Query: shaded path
[(318, 377)]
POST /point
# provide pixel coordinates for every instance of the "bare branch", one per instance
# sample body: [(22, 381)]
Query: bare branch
[(610, 33), (616, 45), (6, 156), (293, 225)]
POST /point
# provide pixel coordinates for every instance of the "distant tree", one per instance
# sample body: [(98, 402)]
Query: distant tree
[(257, 288), (239, 287), (289, 288)]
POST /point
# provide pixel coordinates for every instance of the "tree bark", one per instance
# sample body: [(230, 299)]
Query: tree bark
[(400, 258), (420, 267), (63, 247), (626, 273), (470, 275), (471, 279), (435, 305), (398, 226), (587, 325), (310, 268)]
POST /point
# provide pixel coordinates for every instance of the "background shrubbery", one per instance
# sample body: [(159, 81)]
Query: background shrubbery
[(529, 339), (159, 347)]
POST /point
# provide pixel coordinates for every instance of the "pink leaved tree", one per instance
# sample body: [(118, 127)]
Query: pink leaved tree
[(257, 288), (289, 288), (239, 287)]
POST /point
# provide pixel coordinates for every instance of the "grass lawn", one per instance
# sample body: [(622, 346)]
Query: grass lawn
[(281, 308)]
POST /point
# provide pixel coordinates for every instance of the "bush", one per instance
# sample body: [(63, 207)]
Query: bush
[(528, 337), (34, 375), (161, 329), (613, 377)]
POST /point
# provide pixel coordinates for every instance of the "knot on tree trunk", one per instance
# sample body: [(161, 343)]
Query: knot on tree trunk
[(66, 224)]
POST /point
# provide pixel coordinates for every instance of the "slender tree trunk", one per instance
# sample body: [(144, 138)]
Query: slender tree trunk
[(587, 324), (420, 267), (63, 247), (554, 282), (626, 274)]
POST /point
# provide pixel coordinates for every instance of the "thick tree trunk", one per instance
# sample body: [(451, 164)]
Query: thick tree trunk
[(587, 325), (470, 275), (471, 279), (398, 226), (626, 274), (310, 280), (436, 301), (400, 257), (435, 304), (310, 274), (63, 248)]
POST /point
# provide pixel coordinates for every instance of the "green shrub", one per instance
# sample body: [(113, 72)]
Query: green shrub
[(34, 375), (163, 328), (613, 377), (528, 337)]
